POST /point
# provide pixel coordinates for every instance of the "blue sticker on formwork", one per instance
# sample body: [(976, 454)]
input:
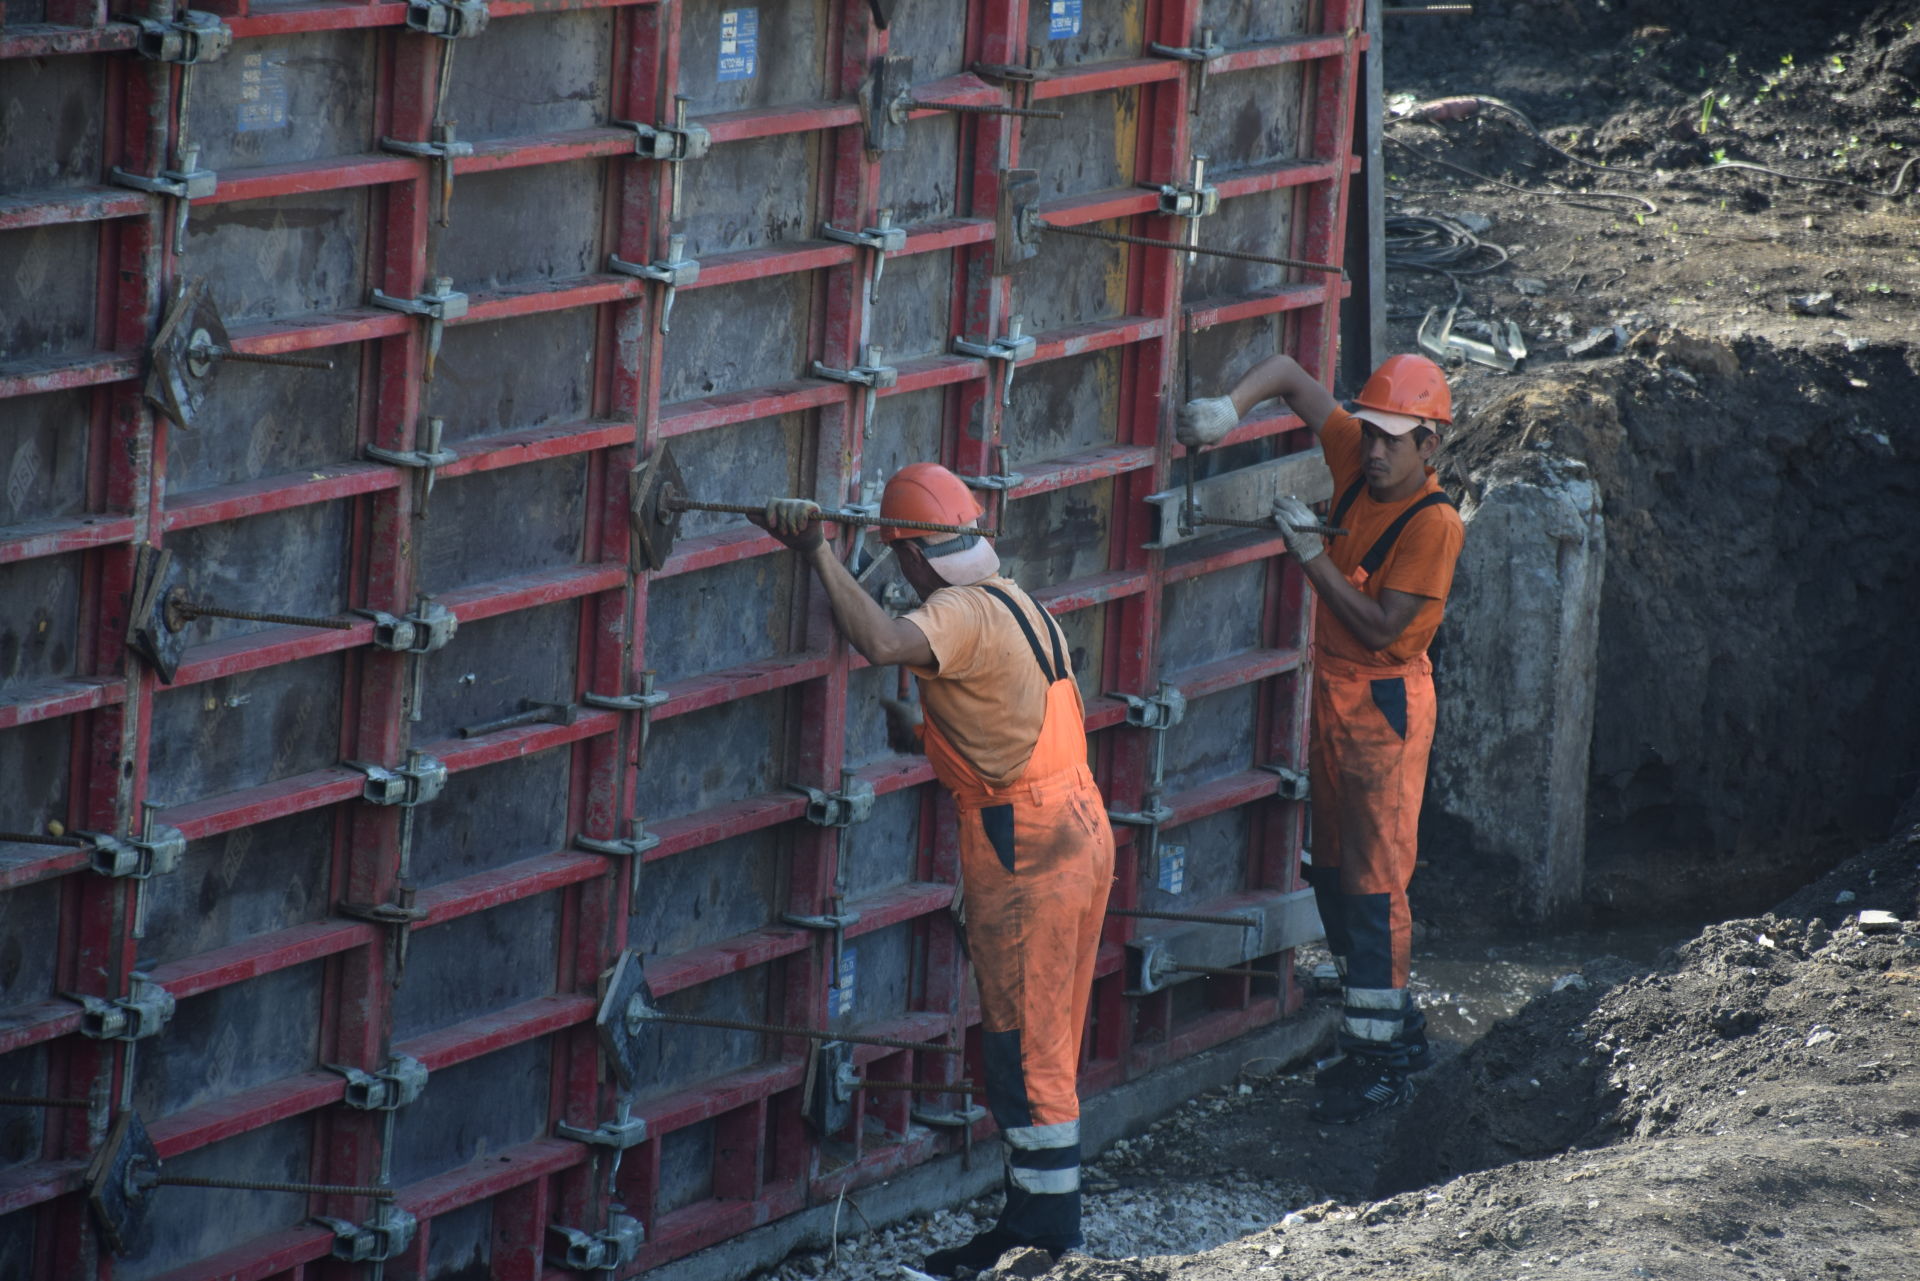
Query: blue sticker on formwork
[(840, 995), (739, 44), (1064, 19), (263, 94), (1173, 868)]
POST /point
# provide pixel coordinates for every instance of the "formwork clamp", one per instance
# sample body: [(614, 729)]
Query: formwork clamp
[(1203, 52), (134, 1017), (1153, 815), (192, 37), (1003, 482), (1193, 200), (445, 147), (870, 374), (187, 182), (428, 628), (1162, 709), (578, 1250), (154, 853), (448, 19), (384, 1239), (618, 1135), (398, 1084), (415, 783), (674, 144), (676, 271), (1294, 785), (883, 238), (852, 804), (440, 304), (1012, 348)]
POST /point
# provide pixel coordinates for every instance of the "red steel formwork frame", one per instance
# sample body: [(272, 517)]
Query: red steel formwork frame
[(765, 1161)]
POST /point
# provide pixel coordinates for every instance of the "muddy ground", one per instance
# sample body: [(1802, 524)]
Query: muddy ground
[(1745, 1103)]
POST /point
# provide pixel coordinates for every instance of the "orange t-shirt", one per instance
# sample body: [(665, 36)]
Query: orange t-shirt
[(987, 694), (1420, 564)]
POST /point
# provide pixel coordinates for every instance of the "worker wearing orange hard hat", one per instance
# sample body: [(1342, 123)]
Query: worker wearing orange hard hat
[(1380, 591), (1003, 726)]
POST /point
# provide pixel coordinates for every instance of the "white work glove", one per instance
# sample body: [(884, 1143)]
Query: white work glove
[(1293, 517), (1205, 421), (794, 521)]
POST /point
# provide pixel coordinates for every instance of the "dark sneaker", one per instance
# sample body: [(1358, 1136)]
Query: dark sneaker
[(1419, 1055), (1359, 1086), (976, 1255)]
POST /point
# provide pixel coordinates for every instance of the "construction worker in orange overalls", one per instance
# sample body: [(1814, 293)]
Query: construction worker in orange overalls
[(1381, 591), (1005, 732)]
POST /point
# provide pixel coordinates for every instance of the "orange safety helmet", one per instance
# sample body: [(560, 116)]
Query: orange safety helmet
[(1409, 385), (929, 492)]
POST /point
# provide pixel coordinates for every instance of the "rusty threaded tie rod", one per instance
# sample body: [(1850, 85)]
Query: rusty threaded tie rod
[(969, 109), (34, 838), (673, 501), (1196, 918), (148, 1179), (189, 610), (1237, 522), (206, 351), (40, 1101), (1121, 238), (812, 1033), (1223, 972)]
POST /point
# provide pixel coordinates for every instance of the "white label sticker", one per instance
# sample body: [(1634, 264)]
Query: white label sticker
[(1173, 868), (840, 995), (739, 44)]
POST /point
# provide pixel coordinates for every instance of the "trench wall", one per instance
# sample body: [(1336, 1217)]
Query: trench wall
[(300, 928)]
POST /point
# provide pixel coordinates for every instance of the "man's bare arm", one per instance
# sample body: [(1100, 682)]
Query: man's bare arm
[(882, 639), (1282, 376), (1377, 624)]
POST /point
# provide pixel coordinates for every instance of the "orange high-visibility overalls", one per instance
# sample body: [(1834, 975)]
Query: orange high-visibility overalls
[(1036, 862), (1367, 761)]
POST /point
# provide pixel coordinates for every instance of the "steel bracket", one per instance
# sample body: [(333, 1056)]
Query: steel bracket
[(1293, 782), (1192, 201), (448, 19), (830, 1086), (1012, 348), (642, 701), (1162, 709), (189, 183), (445, 148), (632, 846), (836, 923), (1206, 51), (955, 1119), (192, 37), (414, 783), (621, 1023), (618, 1135), (441, 303), (577, 1250), (883, 239), (428, 628), (675, 271), (853, 804), (875, 376), (134, 1017), (138, 857), (1003, 482), (1007, 72), (675, 144), (1155, 814), (395, 1086), (1148, 966), (386, 1238)]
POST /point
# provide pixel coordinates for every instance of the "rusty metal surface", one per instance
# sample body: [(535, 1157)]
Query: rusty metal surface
[(1091, 150), (1058, 536), (461, 1244), (197, 1222), (22, 1131), (1205, 618), (1250, 118), (29, 949), (490, 817), (491, 664), (931, 32), (695, 623), (1062, 407), (541, 73), (1261, 223), (40, 630), (1214, 739), (914, 317), (747, 195), (43, 457), (1215, 860), (1109, 29), (240, 885), (686, 1166), (1222, 353), (497, 524), (33, 760), (711, 353), (47, 281), (261, 421), (727, 888), (240, 731), (284, 562), (682, 1055), (886, 846), (1084, 281), (231, 1039), (472, 1109), (476, 965), (284, 256), (516, 227), (711, 757), (53, 129), (883, 966), (284, 100), (508, 375), (920, 184), (1243, 22)]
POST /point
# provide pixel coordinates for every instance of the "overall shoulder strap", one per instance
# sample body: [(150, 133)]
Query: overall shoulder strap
[(1033, 642), (1377, 554), (1347, 500)]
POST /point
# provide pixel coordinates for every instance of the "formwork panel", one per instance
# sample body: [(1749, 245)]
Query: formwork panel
[(232, 1039), (260, 422), (473, 1110), (47, 280), (540, 73), (44, 445), (285, 99), (492, 665), (270, 504), (710, 894), (284, 256), (478, 964), (193, 1223), (40, 634), (511, 375), (244, 730), (493, 816), (53, 134), (242, 884)]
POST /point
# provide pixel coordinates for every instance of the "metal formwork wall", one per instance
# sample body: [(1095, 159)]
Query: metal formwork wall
[(305, 928)]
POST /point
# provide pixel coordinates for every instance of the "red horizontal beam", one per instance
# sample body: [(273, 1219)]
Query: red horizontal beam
[(489, 1176), (502, 1029), (1275, 177), (1209, 312), (67, 534), (1095, 589), (511, 744), (536, 445), (727, 548), (541, 297), (324, 484), (337, 173), (65, 373), (1083, 468), (1195, 559), (263, 954), (1079, 340), (528, 591), (732, 684), (51, 699), (669, 974), (260, 1259), (762, 122), (707, 1223), (772, 260), (319, 329), (26, 1025), (896, 773), (1099, 206), (1300, 49), (270, 647), (46, 39), (32, 870), (951, 233), (1107, 75), (1220, 795), (26, 1186), (1237, 669), (248, 1110), (736, 818), (22, 209), (724, 410), (525, 879), (1260, 425), (548, 149), (252, 805), (935, 371)]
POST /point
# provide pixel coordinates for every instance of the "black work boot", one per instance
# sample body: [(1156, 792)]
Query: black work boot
[(976, 1255), (1358, 1086)]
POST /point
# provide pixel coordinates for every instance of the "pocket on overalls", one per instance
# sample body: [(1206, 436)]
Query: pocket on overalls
[(1390, 696), (997, 822)]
